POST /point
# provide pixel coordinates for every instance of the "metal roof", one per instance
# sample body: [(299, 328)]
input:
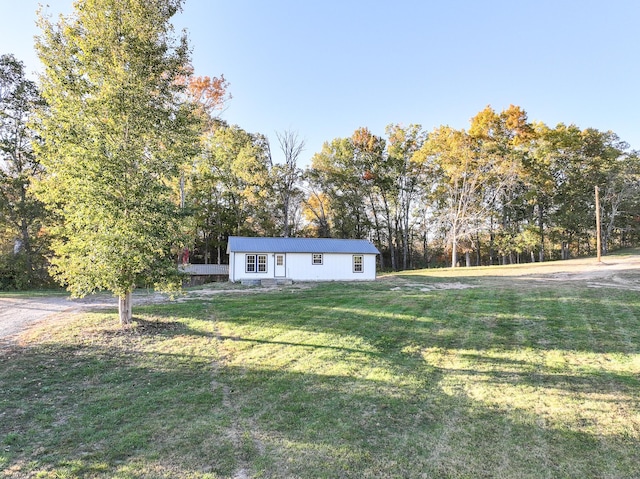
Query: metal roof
[(299, 245)]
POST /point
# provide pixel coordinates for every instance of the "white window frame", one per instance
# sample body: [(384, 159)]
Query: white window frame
[(262, 263), (250, 263), (255, 263), (317, 256), (358, 263)]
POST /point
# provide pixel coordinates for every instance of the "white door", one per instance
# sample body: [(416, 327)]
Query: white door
[(281, 266)]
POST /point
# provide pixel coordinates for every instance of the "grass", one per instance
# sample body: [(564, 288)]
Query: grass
[(34, 293), (517, 380)]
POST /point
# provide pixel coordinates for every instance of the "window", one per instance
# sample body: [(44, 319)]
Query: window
[(316, 258), (250, 263), (256, 263), (358, 264), (262, 263), (279, 260)]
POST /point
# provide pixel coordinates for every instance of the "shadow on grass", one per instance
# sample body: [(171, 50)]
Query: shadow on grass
[(592, 321), (103, 412), (366, 385)]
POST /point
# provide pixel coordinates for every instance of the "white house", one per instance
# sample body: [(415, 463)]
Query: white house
[(301, 259)]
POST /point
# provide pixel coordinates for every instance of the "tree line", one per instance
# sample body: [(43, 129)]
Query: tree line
[(505, 190), (116, 160)]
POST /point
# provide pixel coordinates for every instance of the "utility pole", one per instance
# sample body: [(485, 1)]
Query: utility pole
[(598, 240)]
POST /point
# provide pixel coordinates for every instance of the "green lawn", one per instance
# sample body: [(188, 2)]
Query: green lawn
[(516, 379)]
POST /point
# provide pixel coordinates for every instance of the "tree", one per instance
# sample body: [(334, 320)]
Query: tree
[(317, 210), (113, 138), (207, 95), (459, 184), (286, 175), (20, 212), (501, 142), (404, 143), (381, 187), (338, 173), (540, 182), (578, 161), (230, 191), (622, 188)]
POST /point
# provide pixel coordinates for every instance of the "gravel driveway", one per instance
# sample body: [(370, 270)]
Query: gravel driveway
[(16, 314)]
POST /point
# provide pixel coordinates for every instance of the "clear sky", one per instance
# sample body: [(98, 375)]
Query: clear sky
[(323, 68)]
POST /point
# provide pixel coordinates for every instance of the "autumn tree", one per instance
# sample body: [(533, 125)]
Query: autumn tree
[(207, 95), (210, 94), (113, 139), (316, 210), (21, 214), (457, 196), (501, 144)]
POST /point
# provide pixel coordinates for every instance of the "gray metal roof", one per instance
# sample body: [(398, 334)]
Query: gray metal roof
[(299, 245)]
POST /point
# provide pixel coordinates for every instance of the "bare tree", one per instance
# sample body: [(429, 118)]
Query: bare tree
[(286, 175)]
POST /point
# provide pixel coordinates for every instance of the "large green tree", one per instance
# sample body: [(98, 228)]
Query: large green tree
[(113, 139), (21, 213)]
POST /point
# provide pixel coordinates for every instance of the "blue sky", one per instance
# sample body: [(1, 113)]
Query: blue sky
[(323, 68)]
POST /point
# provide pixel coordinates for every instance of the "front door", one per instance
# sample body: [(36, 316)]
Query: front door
[(281, 267)]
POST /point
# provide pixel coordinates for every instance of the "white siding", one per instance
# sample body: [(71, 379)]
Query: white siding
[(237, 263), (334, 267)]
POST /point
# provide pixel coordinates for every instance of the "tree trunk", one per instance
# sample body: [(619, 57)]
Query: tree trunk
[(425, 246), (405, 247), (378, 228), (392, 250), (124, 309), (26, 240), (492, 238), (454, 251), (26, 246), (206, 248), (285, 210), (541, 227)]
